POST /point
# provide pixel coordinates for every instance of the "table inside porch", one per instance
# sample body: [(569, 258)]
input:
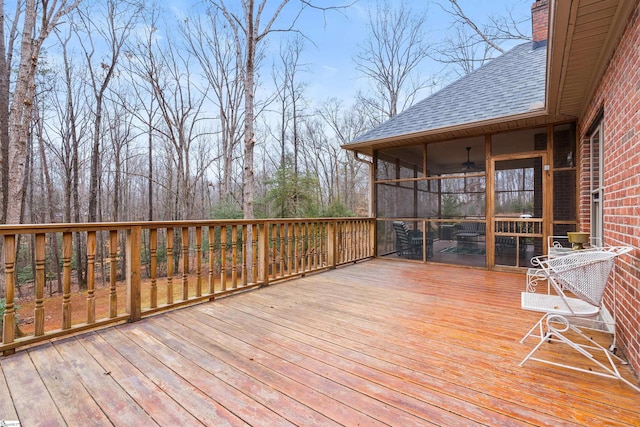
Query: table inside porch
[(467, 240)]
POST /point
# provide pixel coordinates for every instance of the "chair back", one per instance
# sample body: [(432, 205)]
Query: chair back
[(401, 232), (583, 273)]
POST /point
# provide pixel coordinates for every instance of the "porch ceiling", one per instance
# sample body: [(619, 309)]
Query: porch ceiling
[(583, 36)]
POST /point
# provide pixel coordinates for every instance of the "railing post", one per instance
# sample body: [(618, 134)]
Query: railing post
[(331, 243), (9, 308), (134, 301), (263, 253), (372, 237)]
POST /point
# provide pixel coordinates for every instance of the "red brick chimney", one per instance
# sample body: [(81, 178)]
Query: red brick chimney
[(540, 21)]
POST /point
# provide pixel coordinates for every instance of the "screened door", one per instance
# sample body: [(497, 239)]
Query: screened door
[(518, 209)]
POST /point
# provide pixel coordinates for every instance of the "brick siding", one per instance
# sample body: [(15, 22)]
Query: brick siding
[(618, 95)]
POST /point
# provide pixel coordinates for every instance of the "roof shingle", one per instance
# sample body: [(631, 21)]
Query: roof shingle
[(511, 84)]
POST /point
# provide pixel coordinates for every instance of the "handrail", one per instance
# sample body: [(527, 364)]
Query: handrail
[(158, 266)]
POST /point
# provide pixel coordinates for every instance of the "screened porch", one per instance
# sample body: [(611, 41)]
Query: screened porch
[(488, 201)]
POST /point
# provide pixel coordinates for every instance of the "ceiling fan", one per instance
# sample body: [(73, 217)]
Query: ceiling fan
[(469, 165)]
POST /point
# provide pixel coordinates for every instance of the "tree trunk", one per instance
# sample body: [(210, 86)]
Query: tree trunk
[(20, 114), (49, 188), (248, 176), (150, 195)]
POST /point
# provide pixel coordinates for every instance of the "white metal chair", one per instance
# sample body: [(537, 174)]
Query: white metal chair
[(578, 281)]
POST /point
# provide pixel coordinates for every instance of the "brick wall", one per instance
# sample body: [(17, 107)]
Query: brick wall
[(618, 95)]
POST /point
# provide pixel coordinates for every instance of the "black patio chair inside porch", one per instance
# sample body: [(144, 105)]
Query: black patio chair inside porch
[(409, 243)]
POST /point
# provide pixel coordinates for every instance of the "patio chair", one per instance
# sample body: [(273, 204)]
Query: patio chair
[(409, 242), (578, 281)]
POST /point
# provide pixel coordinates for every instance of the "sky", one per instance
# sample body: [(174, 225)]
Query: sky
[(334, 37), (336, 40)]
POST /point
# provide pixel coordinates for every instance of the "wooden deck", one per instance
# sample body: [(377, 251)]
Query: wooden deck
[(377, 343)]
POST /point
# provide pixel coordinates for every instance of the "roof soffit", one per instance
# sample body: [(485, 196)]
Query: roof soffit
[(583, 37)]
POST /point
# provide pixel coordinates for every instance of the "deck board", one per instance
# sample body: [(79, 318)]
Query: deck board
[(390, 388), (376, 343), (31, 399), (112, 397), (7, 410), (370, 398), (149, 395), (75, 404)]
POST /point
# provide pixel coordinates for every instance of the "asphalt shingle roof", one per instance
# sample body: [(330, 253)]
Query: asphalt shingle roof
[(513, 83)]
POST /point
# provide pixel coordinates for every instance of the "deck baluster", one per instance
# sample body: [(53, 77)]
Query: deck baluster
[(153, 259), (296, 246), (331, 244), (185, 263), (274, 248), (282, 250), (244, 255), (113, 272), (263, 253), (170, 236), (234, 256), (254, 255), (289, 248), (67, 248), (198, 261), (91, 277), (223, 258), (40, 279), (212, 259), (134, 246)]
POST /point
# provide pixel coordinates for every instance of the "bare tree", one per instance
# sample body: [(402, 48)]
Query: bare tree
[(66, 126), (391, 55), (120, 133), (290, 95), (38, 20), (463, 52), (168, 70), (118, 19), (352, 179), (289, 100), (473, 44), (49, 190), (210, 41), (248, 33)]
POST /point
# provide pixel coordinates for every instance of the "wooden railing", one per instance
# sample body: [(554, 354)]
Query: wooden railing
[(520, 227), (155, 266)]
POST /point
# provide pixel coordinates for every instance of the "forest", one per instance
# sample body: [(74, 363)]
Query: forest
[(119, 110)]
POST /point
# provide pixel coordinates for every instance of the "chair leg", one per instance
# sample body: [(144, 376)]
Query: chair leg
[(538, 325), (554, 334)]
